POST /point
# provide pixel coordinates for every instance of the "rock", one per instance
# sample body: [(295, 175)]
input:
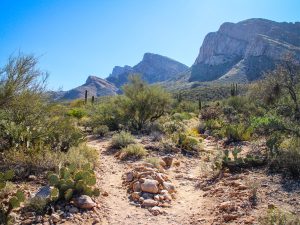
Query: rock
[(73, 209), (141, 199), (43, 192), (227, 206), (156, 198), (136, 186), (159, 178), (150, 186), (129, 176), (168, 160), (135, 196), (229, 217), (155, 210), (84, 202), (55, 217), (169, 187), (32, 177), (105, 194), (149, 203), (147, 195)]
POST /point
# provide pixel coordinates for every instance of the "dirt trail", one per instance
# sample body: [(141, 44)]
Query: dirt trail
[(116, 206)]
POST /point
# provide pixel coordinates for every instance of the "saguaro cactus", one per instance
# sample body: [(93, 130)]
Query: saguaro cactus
[(93, 99), (85, 96)]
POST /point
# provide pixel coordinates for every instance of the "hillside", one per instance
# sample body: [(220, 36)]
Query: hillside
[(243, 51), (95, 87), (153, 68)]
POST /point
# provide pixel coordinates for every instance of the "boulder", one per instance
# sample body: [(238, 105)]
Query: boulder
[(84, 202), (150, 186), (43, 192)]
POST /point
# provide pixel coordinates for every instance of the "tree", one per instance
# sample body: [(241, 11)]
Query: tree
[(145, 103)]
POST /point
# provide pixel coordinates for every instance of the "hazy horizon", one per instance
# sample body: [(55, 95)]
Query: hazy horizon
[(74, 39)]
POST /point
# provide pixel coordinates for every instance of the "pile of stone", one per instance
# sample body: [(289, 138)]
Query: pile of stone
[(149, 187)]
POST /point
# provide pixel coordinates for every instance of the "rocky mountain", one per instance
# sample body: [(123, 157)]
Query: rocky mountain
[(153, 68), (243, 51), (95, 87)]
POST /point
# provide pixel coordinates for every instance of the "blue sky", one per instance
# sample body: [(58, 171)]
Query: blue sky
[(77, 38)]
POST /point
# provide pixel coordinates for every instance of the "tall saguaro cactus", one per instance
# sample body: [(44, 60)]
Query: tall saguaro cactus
[(93, 99), (85, 96)]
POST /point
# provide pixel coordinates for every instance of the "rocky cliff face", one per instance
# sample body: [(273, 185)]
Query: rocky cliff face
[(153, 68), (95, 87), (245, 50)]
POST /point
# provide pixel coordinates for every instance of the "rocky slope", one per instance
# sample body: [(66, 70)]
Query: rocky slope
[(243, 51), (95, 87), (153, 68)]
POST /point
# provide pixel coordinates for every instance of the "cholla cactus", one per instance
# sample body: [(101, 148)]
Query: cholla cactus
[(71, 182)]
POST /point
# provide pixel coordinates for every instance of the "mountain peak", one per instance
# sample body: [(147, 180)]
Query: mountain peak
[(153, 68), (245, 49)]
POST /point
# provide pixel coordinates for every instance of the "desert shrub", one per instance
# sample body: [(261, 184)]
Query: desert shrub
[(33, 160), (111, 112), (171, 126), (81, 155), (182, 116), (168, 146), (186, 107), (28, 119), (238, 132), (101, 130), (187, 143), (213, 124), (37, 204), (210, 113), (287, 157), (279, 217), (77, 112), (154, 161), (145, 103), (135, 151), (122, 139)]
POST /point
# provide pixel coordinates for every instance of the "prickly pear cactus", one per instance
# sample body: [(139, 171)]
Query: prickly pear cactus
[(72, 181), (7, 205)]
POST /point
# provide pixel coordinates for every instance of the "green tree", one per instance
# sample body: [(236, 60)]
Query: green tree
[(146, 103)]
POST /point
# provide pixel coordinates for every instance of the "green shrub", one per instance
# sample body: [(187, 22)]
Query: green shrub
[(101, 130), (287, 158), (213, 124), (238, 132), (77, 113), (154, 161), (38, 204), (135, 151), (122, 139), (34, 159), (182, 116), (279, 217), (210, 113), (187, 143), (81, 155)]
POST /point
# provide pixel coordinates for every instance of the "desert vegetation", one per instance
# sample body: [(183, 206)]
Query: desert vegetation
[(54, 155)]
